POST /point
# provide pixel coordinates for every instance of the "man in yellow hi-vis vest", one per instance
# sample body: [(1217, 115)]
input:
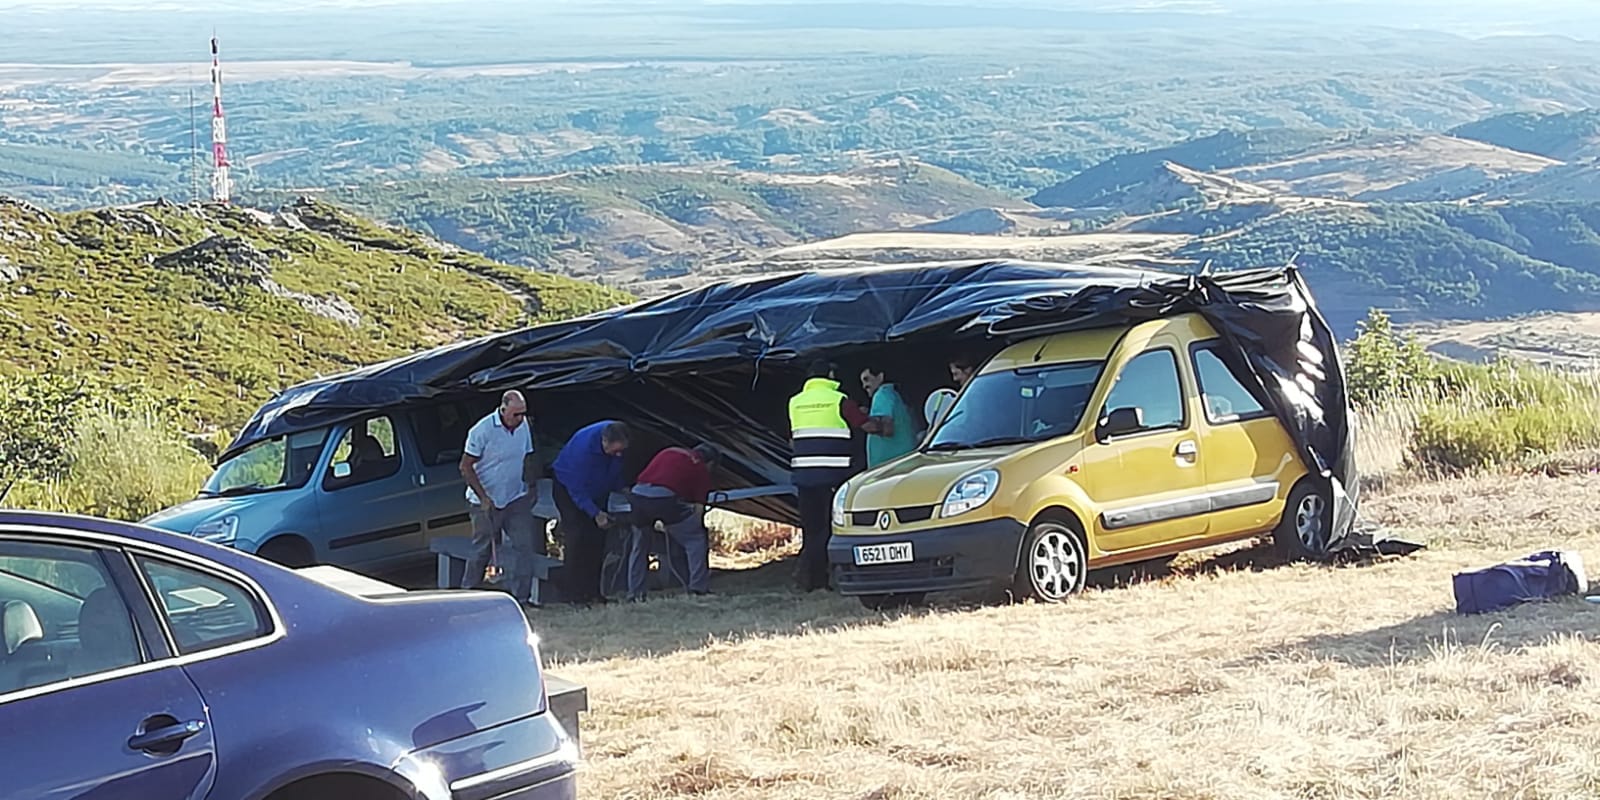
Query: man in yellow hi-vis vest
[(820, 419)]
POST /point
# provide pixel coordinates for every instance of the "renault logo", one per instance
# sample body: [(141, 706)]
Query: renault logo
[(883, 520)]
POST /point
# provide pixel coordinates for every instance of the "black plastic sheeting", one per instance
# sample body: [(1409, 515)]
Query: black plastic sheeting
[(719, 363)]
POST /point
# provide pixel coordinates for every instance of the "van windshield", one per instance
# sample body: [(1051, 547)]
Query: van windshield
[(282, 463), (1018, 406)]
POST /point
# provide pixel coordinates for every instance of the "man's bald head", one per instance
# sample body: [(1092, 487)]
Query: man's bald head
[(513, 407)]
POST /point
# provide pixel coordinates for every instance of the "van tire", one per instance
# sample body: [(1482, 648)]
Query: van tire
[(1054, 561), (290, 551), (1302, 533), (886, 602)]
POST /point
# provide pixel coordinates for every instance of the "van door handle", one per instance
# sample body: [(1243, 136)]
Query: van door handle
[(1187, 447)]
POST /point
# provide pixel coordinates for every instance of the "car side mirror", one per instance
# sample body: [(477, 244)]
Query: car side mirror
[(341, 470), (1121, 421)]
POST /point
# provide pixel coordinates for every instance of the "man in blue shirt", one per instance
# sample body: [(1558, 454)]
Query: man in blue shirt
[(587, 471)]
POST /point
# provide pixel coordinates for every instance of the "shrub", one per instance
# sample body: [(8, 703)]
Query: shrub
[(110, 453), (129, 464), (1505, 414), (35, 414)]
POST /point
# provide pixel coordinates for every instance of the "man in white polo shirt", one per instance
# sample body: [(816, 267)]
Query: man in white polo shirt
[(498, 463)]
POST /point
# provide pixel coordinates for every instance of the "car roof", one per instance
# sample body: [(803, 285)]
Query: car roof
[(1091, 344)]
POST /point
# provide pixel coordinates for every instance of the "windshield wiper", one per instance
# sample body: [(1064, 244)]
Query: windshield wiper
[(991, 442), (249, 488)]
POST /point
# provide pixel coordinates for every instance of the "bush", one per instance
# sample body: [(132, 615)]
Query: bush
[(34, 435), (122, 459), (130, 464)]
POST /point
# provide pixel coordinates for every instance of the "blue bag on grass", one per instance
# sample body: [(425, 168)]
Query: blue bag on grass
[(1538, 576)]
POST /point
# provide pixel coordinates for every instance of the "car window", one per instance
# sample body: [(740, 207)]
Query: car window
[(1226, 398), (1149, 382), (442, 430), (60, 616), (1031, 404), (366, 452), (203, 611), (283, 462)]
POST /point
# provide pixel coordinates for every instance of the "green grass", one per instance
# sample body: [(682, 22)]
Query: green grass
[(215, 341)]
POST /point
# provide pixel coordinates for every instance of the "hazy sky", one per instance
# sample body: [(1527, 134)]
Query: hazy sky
[(1575, 18)]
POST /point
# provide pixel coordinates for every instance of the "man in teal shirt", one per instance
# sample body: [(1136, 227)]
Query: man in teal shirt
[(892, 430)]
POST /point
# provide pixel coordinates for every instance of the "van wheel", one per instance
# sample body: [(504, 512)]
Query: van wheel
[(1054, 562), (885, 602), (290, 551), (1302, 534)]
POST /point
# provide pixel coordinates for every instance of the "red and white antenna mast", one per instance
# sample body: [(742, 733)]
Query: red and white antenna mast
[(221, 186)]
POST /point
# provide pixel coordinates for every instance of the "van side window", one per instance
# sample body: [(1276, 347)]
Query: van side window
[(367, 452), (61, 617), (442, 430), (1150, 383), (1225, 397)]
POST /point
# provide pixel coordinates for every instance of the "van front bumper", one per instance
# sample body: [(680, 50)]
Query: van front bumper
[(976, 555)]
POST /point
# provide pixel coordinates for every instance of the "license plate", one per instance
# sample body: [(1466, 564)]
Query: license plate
[(892, 553)]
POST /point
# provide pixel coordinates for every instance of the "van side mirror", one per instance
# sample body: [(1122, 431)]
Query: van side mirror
[(1120, 422), (341, 470)]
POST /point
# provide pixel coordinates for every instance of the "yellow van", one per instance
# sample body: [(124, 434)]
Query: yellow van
[(1072, 452)]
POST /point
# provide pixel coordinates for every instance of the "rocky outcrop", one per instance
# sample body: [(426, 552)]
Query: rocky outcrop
[(231, 262)]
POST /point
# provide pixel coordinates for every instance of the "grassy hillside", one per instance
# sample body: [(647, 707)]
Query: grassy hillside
[(217, 307), (1102, 184), (1441, 258)]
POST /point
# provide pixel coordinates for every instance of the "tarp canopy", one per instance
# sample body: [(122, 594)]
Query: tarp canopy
[(718, 363)]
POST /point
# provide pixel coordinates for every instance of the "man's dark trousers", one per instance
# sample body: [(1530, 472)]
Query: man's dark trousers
[(816, 527), (584, 546)]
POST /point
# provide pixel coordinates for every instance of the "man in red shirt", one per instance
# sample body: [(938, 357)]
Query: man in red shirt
[(672, 491)]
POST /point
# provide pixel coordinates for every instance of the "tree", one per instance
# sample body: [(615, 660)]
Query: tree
[(36, 412), (1382, 363)]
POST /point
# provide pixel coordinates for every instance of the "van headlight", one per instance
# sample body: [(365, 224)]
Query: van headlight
[(218, 531), (838, 507), (970, 492)]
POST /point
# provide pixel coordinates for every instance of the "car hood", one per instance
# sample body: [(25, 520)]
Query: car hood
[(183, 517), (919, 479)]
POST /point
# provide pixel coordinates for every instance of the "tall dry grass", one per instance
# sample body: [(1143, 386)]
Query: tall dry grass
[(1476, 418), (127, 463)]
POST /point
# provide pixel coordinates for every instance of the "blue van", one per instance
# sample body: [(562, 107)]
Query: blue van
[(369, 494)]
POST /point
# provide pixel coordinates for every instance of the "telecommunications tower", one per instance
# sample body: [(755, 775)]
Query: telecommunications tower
[(221, 186)]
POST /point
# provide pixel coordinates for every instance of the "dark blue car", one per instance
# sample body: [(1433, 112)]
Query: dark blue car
[(136, 663)]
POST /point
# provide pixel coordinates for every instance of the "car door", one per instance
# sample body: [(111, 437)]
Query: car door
[(1249, 456), (440, 433), (1148, 483), (92, 703), (369, 496)]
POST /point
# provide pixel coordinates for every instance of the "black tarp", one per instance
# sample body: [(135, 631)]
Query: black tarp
[(719, 362)]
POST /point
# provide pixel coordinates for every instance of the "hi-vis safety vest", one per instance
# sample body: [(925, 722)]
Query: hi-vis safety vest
[(821, 438)]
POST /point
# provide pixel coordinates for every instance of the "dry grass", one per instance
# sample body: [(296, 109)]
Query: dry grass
[(1235, 678)]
